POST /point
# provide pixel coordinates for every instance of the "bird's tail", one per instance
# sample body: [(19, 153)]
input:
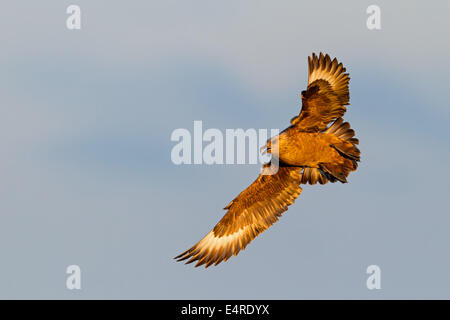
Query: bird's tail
[(346, 147), (342, 130)]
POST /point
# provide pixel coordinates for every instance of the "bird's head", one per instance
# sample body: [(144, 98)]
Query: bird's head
[(303, 95)]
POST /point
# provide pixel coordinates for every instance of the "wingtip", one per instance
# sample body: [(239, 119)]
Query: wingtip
[(178, 257), (183, 256)]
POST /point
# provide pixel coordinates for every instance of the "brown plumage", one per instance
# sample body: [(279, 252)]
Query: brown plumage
[(308, 151)]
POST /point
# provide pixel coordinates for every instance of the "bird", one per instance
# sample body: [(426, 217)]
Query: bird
[(317, 147)]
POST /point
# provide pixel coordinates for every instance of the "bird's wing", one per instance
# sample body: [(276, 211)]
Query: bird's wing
[(253, 211), (326, 96)]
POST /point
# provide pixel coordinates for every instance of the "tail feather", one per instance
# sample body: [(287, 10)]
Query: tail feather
[(347, 149), (334, 172)]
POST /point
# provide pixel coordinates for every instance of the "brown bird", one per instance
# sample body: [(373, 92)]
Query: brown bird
[(308, 151)]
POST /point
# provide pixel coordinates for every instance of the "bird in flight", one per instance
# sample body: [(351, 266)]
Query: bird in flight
[(318, 146)]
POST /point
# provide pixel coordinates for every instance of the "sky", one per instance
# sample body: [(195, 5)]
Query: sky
[(85, 171)]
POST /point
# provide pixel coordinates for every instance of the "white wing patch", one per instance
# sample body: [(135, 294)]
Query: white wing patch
[(212, 249)]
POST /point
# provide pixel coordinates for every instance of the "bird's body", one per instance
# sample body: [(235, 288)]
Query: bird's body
[(310, 150), (307, 149)]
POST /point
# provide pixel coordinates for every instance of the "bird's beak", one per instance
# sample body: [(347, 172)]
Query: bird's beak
[(263, 150)]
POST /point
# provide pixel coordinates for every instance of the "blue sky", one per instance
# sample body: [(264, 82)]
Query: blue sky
[(86, 173)]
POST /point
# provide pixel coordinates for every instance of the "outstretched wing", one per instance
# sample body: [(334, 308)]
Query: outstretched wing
[(253, 211), (326, 96)]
